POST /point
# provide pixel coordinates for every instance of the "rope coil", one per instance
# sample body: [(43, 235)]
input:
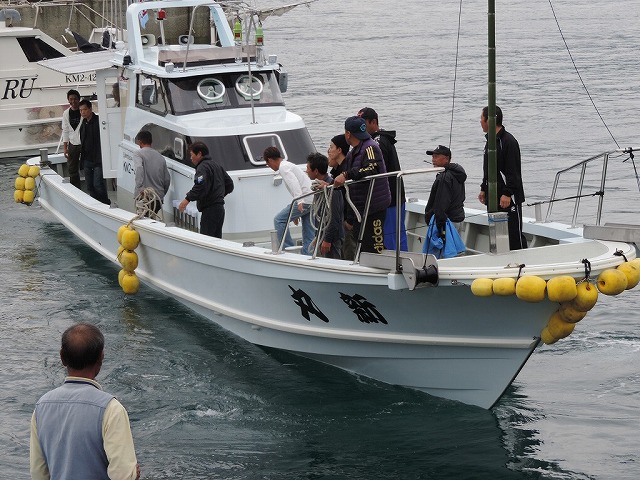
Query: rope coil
[(146, 202)]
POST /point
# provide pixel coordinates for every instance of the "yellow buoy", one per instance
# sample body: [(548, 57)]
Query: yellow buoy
[(558, 328), (23, 171), (120, 232), (612, 282), (586, 298), (19, 183), (29, 183), (28, 196), (570, 314), (546, 336), (128, 260), (482, 287), (504, 286), (632, 272), (531, 288), (121, 274), (130, 283), (18, 196), (561, 289), (34, 171), (130, 239)]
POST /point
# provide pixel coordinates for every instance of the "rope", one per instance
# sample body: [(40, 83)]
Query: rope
[(618, 253), (633, 163), (599, 193), (145, 202), (580, 76), (520, 267), (587, 270), (347, 197), (320, 208), (455, 73)]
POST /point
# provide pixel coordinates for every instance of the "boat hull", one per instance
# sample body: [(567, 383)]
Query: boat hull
[(441, 340)]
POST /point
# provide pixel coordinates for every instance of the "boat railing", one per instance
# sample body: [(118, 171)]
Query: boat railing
[(371, 179), (582, 166)]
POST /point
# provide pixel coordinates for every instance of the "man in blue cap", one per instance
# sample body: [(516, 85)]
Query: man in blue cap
[(363, 160)]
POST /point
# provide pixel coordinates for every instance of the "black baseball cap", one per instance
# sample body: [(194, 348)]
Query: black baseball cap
[(440, 150)]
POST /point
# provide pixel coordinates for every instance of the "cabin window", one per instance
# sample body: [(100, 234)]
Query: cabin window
[(243, 152), (35, 49), (230, 90), (112, 92), (255, 145), (151, 95), (169, 143)]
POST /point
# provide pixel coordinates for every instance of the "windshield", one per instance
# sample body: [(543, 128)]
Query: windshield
[(231, 90)]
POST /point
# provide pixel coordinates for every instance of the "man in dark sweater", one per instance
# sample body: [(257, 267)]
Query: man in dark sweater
[(91, 153)]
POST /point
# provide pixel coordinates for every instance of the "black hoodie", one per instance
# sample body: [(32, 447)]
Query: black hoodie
[(386, 140), (446, 199)]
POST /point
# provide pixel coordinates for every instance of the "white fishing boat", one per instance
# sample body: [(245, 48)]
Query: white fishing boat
[(33, 97), (402, 318)]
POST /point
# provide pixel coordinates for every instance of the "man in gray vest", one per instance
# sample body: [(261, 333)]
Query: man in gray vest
[(78, 430)]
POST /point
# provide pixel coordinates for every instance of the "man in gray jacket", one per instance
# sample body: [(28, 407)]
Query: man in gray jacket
[(151, 172)]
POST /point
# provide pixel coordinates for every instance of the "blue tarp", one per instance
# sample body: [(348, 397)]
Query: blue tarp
[(433, 244)]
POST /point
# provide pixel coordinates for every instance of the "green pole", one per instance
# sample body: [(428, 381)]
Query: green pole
[(492, 174)]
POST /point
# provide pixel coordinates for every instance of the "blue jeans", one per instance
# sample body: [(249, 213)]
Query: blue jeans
[(280, 223)]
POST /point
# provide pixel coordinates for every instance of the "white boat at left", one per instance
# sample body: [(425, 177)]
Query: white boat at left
[(459, 328), (33, 97)]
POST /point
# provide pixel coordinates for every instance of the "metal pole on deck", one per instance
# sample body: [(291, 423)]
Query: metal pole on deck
[(492, 200), (498, 227)]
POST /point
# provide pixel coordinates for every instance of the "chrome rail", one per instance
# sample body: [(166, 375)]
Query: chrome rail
[(579, 195), (371, 179)]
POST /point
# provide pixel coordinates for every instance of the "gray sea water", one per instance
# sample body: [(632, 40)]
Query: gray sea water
[(206, 405)]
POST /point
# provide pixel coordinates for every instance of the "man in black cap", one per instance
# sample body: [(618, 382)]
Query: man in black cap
[(365, 159), (386, 140), (446, 200)]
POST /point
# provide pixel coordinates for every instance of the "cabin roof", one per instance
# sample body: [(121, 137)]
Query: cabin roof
[(80, 62)]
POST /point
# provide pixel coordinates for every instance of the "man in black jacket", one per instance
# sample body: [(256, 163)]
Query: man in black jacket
[(446, 200), (387, 141), (510, 189), (210, 185), (91, 153)]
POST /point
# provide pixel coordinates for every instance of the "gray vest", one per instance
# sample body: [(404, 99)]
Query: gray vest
[(69, 422)]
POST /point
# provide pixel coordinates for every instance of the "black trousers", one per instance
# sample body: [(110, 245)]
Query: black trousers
[(211, 220), (73, 161), (517, 239)]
